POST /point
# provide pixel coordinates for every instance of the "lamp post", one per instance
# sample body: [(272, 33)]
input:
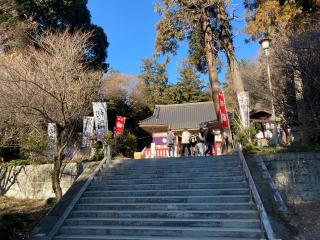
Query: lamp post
[(265, 44)]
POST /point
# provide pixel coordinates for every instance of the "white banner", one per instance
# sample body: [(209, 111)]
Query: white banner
[(243, 98), (52, 132), (100, 118), (88, 126)]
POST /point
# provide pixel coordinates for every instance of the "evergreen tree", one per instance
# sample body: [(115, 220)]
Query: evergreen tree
[(155, 78), (54, 15), (206, 26), (189, 87)]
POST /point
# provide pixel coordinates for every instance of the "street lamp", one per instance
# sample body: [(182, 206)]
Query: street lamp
[(265, 44)]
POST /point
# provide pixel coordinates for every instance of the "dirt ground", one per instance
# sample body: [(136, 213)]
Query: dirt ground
[(308, 217), (18, 217)]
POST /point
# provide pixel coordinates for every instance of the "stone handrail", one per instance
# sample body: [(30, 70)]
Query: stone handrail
[(262, 212)]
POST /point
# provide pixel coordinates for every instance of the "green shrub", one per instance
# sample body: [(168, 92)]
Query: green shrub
[(51, 201), (246, 137), (99, 151), (33, 144), (125, 144), (16, 162)]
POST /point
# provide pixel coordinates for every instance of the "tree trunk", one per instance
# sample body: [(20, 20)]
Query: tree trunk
[(235, 72), (56, 171), (227, 44), (211, 59)]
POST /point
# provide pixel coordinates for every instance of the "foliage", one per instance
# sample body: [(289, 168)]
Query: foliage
[(15, 162), (51, 201), (125, 96), (124, 144), (108, 137), (24, 18), (189, 87), (155, 78), (14, 33), (272, 17), (33, 143), (99, 154), (245, 137), (206, 27)]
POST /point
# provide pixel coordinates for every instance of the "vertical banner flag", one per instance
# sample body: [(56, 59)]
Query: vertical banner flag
[(223, 111), (52, 134), (243, 98), (101, 119), (119, 128), (88, 125)]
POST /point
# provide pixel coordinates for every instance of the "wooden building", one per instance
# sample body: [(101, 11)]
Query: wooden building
[(177, 117)]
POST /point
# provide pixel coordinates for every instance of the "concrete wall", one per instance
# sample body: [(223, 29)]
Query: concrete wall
[(34, 181), (296, 175)]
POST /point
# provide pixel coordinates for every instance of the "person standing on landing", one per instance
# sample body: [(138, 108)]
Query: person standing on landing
[(186, 135), (170, 142), (193, 143), (209, 141), (200, 142)]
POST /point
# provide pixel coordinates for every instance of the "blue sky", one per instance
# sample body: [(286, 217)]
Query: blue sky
[(130, 27)]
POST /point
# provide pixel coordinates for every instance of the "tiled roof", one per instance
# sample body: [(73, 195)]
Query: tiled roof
[(178, 116)]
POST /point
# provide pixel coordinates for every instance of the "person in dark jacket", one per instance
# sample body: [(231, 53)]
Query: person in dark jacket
[(171, 138), (209, 142)]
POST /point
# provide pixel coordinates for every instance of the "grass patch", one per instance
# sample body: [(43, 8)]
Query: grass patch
[(18, 217)]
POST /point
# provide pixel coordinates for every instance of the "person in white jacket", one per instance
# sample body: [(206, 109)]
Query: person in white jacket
[(185, 141)]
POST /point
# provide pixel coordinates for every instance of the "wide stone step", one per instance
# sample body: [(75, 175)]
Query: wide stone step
[(168, 199), (167, 192), (123, 237), (176, 165), (169, 180), (172, 170), (211, 165), (181, 160), (166, 206), (159, 186), (168, 175), (214, 214), (177, 222), (162, 231)]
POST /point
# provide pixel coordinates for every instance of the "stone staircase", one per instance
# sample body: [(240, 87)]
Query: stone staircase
[(166, 199)]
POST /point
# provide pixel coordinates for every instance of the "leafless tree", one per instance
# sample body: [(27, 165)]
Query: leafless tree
[(297, 60), (49, 83), (295, 71)]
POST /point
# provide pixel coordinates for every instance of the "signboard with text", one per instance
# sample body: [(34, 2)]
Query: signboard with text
[(52, 134), (243, 99), (88, 126), (100, 118)]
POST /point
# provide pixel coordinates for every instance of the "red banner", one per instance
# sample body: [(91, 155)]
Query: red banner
[(224, 121), (120, 121)]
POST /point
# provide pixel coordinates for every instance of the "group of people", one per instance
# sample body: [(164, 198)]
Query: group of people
[(200, 144)]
